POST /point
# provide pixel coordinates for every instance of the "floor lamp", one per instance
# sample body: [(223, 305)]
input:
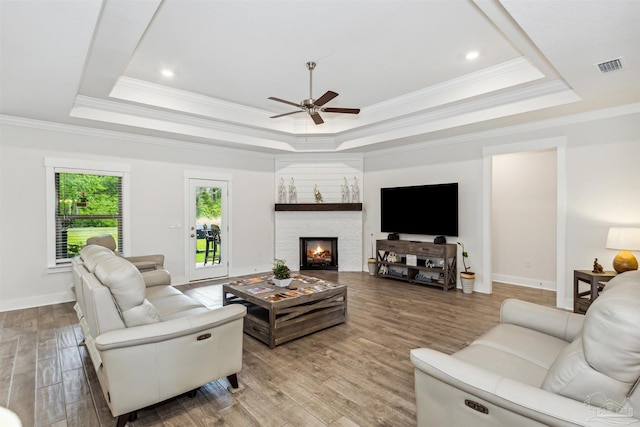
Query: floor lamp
[(625, 239)]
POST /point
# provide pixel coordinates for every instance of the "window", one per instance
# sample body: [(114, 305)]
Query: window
[(87, 205), (84, 202)]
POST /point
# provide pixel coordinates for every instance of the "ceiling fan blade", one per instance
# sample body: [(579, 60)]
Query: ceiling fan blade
[(317, 119), (342, 110), (282, 100), (328, 96), (286, 114)]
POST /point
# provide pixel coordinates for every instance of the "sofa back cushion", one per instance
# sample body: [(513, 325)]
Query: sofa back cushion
[(105, 240), (92, 254), (128, 290), (602, 364)]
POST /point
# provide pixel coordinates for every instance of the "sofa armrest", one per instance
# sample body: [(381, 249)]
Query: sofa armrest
[(551, 321), (501, 393), (163, 331), (156, 277), (147, 262)]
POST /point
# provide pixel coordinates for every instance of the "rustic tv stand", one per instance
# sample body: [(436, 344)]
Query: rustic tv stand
[(425, 263)]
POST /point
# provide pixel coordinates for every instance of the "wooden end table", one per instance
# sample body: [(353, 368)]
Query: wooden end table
[(583, 299), (277, 315)]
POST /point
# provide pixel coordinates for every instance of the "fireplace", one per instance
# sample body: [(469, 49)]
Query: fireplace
[(318, 253)]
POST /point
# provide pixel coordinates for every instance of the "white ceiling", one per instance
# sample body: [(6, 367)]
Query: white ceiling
[(97, 64)]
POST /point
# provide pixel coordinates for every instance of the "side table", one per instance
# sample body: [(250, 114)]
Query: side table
[(583, 299)]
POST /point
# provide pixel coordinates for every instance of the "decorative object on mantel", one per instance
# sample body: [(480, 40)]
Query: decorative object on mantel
[(355, 191), (317, 193), (625, 239), (466, 277), (281, 273), (346, 197), (293, 193), (282, 192), (597, 268)]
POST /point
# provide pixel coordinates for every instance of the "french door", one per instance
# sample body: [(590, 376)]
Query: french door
[(207, 236)]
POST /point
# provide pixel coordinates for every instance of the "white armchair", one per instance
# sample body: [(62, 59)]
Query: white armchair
[(541, 366)]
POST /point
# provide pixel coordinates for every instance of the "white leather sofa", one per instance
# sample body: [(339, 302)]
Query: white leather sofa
[(147, 340), (541, 366)]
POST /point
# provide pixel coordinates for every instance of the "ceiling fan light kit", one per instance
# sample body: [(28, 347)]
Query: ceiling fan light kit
[(311, 106)]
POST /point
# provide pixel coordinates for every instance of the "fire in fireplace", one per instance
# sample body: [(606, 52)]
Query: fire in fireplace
[(318, 253)]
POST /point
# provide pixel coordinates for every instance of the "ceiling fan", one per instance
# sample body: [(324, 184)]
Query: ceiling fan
[(314, 106)]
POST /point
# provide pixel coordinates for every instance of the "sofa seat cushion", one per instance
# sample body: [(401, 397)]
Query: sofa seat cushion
[(515, 352), (172, 304), (536, 347), (502, 363)]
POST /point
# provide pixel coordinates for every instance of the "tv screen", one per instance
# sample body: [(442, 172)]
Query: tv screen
[(420, 209)]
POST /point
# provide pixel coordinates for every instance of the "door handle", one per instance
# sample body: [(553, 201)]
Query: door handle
[(193, 235)]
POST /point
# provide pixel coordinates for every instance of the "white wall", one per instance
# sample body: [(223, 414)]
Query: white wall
[(157, 203), (434, 165), (523, 228), (602, 189), (603, 181)]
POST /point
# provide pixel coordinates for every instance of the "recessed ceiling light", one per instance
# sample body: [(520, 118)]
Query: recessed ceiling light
[(167, 73), (472, 55)]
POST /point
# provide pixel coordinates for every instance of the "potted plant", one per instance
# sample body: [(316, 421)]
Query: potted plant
[(281, 273), (371, 263), (467, 277)]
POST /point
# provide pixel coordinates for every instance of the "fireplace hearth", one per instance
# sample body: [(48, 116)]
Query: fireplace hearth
[(318, 253)]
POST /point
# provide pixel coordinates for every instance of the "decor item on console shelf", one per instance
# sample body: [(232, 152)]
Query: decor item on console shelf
[(281, 273), (466, 277)]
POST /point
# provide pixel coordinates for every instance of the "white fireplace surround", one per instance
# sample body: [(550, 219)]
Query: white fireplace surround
[(345, 225)]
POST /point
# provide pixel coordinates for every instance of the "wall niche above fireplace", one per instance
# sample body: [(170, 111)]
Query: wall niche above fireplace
[(318, 253)]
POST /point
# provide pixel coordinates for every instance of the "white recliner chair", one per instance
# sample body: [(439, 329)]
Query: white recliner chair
[(541, 367)]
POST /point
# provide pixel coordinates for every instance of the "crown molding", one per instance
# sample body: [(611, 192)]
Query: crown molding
[(124, 136), (618, 111)]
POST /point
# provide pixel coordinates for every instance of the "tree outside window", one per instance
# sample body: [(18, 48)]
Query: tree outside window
[(87, 205)]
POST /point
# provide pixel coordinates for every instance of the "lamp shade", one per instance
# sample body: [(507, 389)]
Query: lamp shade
[(624, 238)]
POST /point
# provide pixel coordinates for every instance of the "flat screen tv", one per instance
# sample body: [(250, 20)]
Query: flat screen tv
[(420, 209)]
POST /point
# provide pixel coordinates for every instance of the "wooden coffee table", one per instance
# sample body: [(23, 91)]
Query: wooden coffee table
[(277, 315)]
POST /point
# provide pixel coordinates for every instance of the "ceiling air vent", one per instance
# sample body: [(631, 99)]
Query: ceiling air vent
[(608, 66)]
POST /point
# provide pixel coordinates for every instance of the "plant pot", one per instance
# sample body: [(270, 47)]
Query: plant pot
[(371, 263), (467, 280), (282, 282)]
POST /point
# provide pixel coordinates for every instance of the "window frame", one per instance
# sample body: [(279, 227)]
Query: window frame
[(55, 165)]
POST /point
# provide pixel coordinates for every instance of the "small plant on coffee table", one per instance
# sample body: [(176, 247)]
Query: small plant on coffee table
[(280, 269), (281, 273)]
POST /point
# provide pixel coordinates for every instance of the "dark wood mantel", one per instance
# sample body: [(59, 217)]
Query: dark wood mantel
[(318, 206)]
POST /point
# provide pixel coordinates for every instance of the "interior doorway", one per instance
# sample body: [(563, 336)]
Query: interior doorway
[(558, 145)]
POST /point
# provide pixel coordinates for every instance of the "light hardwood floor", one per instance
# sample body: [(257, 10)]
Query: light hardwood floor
[(354, 374)]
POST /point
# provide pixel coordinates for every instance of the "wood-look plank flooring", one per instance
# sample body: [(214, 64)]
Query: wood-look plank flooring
[(354, 374)]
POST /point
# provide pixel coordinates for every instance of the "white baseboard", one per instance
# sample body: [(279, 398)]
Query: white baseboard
[(22, 303), (523, 281)]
